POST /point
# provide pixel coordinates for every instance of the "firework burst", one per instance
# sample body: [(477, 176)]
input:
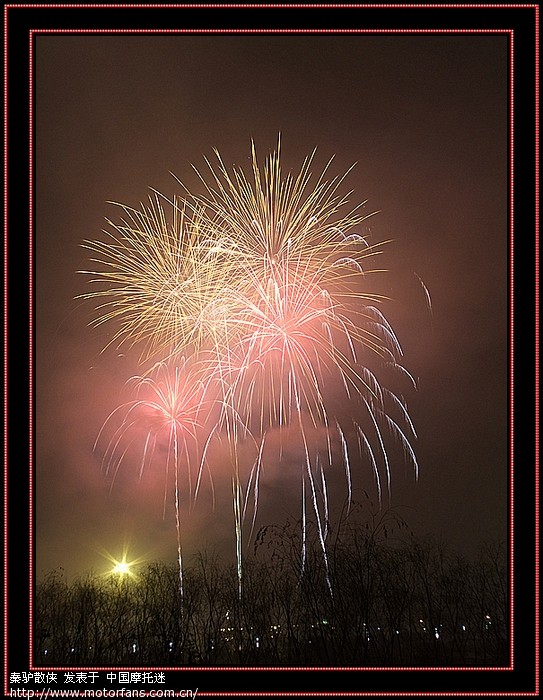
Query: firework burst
[(266, 285), (170, 408), (158, 280)]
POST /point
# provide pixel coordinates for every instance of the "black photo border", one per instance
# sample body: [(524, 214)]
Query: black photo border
[(521, 21)]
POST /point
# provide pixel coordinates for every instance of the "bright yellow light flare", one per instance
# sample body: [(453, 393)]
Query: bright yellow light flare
[(122, 568)]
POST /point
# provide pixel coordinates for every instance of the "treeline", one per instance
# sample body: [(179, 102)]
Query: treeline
[(379, 599)]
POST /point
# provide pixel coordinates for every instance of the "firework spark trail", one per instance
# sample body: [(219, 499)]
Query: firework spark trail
[(253, 484), (177, 511), (347, 466), (265, 284), (238, 517)]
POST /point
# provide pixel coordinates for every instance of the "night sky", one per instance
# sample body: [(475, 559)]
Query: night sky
[(424, 118)]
